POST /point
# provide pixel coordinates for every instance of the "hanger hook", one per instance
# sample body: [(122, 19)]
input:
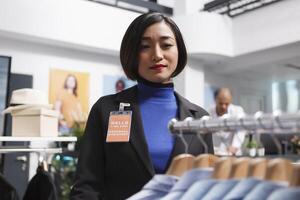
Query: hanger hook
[(40, 158), (199, 136), (298, 121), (198, 133), (180, 133), (241, 119), (225, 121), (259, 116), (186, 146), (202, 124), (277, 114)]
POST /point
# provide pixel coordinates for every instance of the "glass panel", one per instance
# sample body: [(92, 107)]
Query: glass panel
[(285, 96), (4, 78)]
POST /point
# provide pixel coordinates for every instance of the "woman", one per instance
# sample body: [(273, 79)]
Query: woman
[(120, 85), (152, 52), (68, 105)]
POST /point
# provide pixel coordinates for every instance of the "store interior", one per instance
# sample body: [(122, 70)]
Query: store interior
[(254, 52)]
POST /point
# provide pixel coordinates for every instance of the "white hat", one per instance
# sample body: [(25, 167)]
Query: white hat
[(27, 98)]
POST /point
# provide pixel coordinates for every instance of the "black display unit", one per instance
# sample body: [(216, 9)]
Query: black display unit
[(5, 65), (12, 169)]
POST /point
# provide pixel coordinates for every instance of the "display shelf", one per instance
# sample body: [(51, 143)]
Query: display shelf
[(37, 139), (45, 150)]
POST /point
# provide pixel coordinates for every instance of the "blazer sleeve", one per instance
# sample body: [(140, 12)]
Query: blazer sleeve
[(89, 180)]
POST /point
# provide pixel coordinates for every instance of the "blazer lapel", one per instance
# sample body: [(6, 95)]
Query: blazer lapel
[(185, 110), (137, 136)]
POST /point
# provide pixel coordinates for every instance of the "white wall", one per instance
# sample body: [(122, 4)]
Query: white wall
[(79, 35), (267, 27), (190, 83), (263, 28), (77, 23), (206, 33), (72, 35), (185, 7), (37, 60), (242, 90), (96, 27)]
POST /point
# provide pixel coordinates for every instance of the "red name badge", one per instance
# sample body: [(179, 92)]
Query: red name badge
[(119, 126)]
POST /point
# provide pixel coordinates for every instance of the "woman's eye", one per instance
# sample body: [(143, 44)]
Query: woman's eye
[(167, 45), (144, 46)]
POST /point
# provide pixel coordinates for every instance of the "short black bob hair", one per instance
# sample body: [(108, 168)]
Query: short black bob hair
[(130, 47)]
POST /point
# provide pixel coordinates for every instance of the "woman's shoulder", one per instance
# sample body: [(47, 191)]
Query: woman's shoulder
[(127, 93), (198, 110)]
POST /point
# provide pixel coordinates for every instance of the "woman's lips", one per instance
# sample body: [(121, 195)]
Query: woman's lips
[(158, 67)]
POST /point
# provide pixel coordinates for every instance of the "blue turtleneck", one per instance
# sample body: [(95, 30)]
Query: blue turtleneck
[(158, 106)]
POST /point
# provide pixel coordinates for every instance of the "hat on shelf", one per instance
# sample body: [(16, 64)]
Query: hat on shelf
[(27, 99)]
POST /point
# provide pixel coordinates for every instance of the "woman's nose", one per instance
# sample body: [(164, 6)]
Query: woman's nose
[(157, 54)]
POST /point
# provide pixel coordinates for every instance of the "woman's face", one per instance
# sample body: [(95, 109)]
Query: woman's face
[(71, 82), (158, 56)]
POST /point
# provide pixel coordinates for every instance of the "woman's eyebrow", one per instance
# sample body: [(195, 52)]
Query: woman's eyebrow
[(161, 38)]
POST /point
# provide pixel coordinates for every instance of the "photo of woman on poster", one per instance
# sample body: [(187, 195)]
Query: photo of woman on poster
[(69, 95), (68, 104)]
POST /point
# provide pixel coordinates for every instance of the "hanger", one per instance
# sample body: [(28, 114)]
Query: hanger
[(279, 169), (295, 178), (203, 120), (182, 162), (258, 168), (222, 168), (259, 117), (200, 138), (240, 168), (188, 120), (42, 163), (205, 160)]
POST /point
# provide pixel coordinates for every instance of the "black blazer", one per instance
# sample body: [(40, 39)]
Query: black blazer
[(116, 171)]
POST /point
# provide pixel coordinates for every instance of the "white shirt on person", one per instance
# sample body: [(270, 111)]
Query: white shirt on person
[(222, 140)]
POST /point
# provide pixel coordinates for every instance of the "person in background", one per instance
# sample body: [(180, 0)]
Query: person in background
[(68, 105), (115, 166), (120, 85), (226, 143)]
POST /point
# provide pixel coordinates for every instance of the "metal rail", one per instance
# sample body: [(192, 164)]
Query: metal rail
[(260, 123)]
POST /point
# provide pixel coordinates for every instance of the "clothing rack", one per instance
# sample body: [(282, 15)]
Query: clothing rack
[(258, 123), (40, 149)]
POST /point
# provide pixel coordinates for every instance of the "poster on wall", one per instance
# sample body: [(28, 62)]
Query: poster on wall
[(114, 84), (69, 93)]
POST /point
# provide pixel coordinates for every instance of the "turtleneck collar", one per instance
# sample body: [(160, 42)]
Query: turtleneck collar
[(158, 91), (153, 84)]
